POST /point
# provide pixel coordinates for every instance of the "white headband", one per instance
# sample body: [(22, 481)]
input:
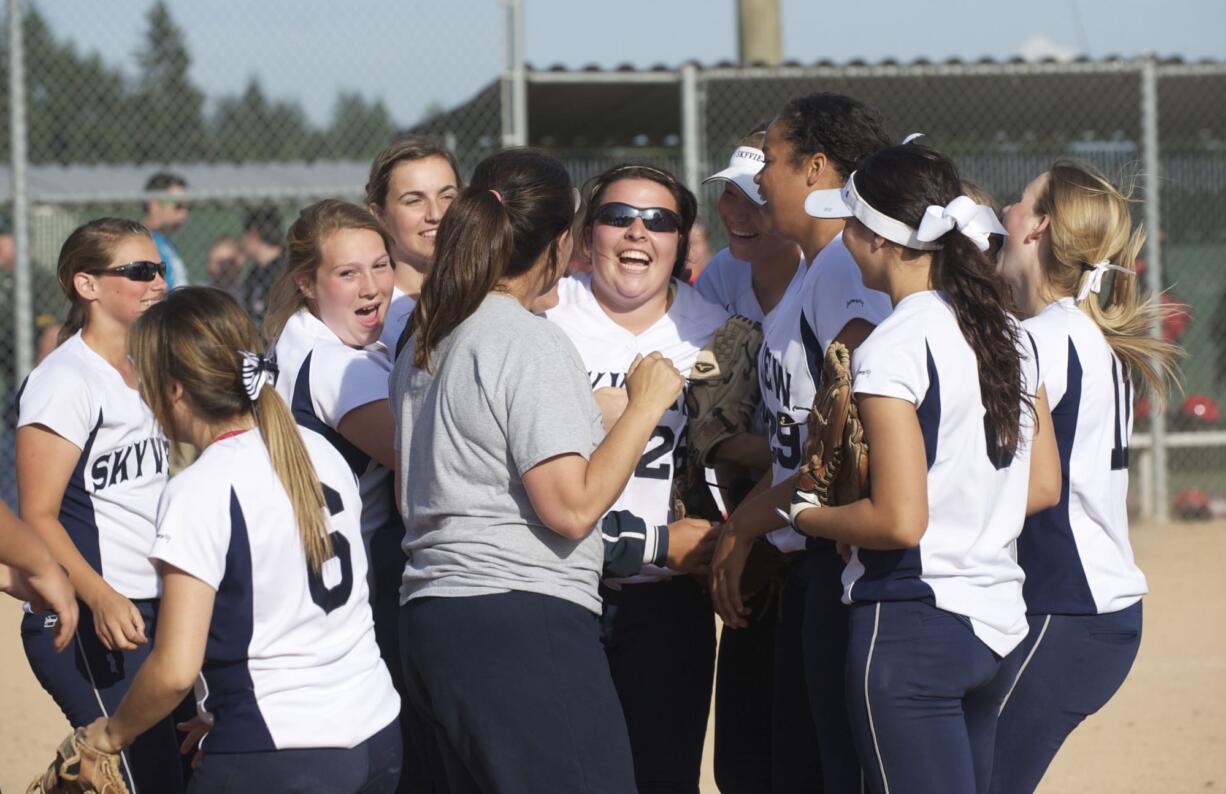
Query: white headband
[(973, 220), (1095, 282)]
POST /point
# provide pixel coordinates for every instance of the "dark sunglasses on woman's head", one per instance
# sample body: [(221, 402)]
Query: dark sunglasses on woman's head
[(133, 271), (656, 219)]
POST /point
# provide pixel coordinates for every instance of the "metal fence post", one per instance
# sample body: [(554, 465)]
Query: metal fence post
[(691, 131), (1153, 267), (515, 80), (23, 320)]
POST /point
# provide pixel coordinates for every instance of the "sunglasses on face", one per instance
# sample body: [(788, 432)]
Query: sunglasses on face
[(656, 219), (133, 271)]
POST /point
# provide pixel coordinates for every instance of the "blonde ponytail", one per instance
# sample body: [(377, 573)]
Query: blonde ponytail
[(1090, 222)]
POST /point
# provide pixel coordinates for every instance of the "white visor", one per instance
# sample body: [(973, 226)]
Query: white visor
[(845, 202), (746, 162)]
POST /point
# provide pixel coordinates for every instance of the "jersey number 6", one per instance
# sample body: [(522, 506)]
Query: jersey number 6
[(329, 598)]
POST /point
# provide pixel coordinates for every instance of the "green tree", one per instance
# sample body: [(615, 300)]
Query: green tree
[(359, 128), (168, 122), (249, 127)]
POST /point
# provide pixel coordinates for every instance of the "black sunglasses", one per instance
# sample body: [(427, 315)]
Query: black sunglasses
[(656, 219), (133, 271)]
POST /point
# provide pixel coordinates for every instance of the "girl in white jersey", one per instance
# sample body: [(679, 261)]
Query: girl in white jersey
[(326, 314), (814, 142), (1070, 258), (657, 626), (500, 616), (260, 551), (412, 183), (91, 465), (948, 391)]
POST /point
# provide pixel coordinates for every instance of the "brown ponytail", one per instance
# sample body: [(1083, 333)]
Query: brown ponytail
[(89, 247), (195, 338), (518, 204), (1090, 222), (902, 181)]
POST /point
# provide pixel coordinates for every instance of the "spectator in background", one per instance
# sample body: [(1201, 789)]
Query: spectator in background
[(163, 217), (699, 252), (263, 243), (225, 263)]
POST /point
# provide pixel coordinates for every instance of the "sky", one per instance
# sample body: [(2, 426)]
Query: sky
[(411, 53)]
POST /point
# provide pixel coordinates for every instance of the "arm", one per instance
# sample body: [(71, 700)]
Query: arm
[(45, 462), (44, 579), (1046, 479), (371, 428), (570, 494), (169, 672), (746, 449)]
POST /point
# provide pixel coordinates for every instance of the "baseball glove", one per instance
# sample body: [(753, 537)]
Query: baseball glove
[(835, 471), (720, 401), (80, 768)]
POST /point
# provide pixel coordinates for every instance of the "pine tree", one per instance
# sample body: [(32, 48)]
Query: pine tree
[(168, 115)]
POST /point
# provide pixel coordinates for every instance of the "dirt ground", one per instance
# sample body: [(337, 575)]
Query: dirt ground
[(1164, 733)]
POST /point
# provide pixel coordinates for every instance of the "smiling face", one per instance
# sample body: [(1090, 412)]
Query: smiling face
[(743, 220), (352, 285), (632, 266), (419, 192), (118, 297), (1019, 256), (784, 185)]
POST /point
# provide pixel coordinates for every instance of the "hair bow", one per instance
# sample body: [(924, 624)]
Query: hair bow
[(1095, 282), (257, 371), (975, 221)]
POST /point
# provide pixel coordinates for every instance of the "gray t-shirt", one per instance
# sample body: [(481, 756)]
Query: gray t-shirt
[(508, 391)]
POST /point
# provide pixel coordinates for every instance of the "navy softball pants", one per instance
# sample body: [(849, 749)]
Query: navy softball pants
[(517, 690), (923, 693), (659, 638), (87, 682), (1068, 667)]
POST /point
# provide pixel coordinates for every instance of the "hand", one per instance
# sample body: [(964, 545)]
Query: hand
[(691, 541), (98, 735), (195, 728), (117, 621), (654, 383), (727, 565), (612, 402), (50, 589)]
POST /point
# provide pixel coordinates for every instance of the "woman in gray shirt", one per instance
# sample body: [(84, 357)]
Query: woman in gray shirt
[(502, 476)]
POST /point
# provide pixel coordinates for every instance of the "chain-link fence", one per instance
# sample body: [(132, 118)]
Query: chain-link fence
[(114, 93)]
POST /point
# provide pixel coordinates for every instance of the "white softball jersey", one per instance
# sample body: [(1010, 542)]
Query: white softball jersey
[(322, 379), (397, 317), (607, 350), (819, 302), (110, 504), (965, 562), (291, 659), (1076, 555)]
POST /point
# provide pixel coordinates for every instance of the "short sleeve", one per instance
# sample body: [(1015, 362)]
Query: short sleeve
[(840, 297), (343, 379), (193, 531), (1049, 354), (708, 283), (886, 367), (60, 400), (550, 410)]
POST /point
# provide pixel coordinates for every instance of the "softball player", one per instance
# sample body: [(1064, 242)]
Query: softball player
[(259, 545), (1068, 233), (944, 389), (630, 305), (412, 183), (500, 589), (815, 142), (326, 313), (91, 465), (749, 278)]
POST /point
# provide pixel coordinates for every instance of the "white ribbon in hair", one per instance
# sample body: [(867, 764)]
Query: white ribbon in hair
[(257, 371), (1095, 282), (975, 221)]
